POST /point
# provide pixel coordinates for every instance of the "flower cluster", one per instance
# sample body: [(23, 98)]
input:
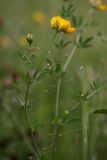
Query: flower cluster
[(98, 5), (62, 25)]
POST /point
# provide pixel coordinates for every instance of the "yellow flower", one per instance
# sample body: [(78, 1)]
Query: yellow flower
[(55, 21), (39, 17), (101, 7), (62, 25)]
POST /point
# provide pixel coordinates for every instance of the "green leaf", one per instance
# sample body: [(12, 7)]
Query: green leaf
[(70, 7), (58, 68), (88, 40), (74, 20), (20, 101), (42, 74), (68, 121), (35, 75), (49, 61), (84, 43), (94, 85), (62, 44), (101, 111), (67, 43), (67, 11)]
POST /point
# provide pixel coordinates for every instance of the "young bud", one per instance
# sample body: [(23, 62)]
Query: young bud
[(29, 38)]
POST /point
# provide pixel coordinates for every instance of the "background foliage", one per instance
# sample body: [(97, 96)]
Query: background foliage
[(86, 73)]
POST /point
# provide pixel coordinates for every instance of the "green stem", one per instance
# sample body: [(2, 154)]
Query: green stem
[(47, 50), (71, 54), (69, 58), (43, 56), (55, 130), (85, 126), (85, 130), (27, 121), (57, 97)]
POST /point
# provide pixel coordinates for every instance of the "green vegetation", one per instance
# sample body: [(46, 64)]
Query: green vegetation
[(53, 81)]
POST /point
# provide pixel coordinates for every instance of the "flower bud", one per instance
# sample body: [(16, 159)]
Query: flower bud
[(29, 38)]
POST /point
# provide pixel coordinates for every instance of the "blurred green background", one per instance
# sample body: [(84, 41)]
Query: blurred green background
[(17, 19)]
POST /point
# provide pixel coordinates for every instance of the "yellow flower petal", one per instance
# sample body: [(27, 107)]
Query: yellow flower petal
[(63, 24), (70, 30), (55, 21)]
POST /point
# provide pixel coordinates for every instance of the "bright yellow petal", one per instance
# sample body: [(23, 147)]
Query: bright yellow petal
[(70, 30), (55, 21)]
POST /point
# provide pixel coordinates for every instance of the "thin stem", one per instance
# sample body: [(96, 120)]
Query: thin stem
[(25, 111), (84, 126), (47, 50), (27, 92), (25, 106), (56, 126), (27, 121), (69, 59), (71, 54), (44, 55), (57, 97), (55, 130)]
